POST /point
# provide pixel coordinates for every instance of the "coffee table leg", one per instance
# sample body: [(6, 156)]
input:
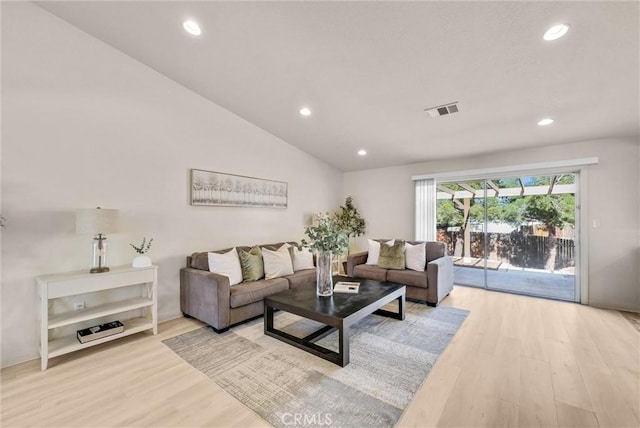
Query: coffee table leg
[(268, 325), (401, 306), (343, 351), (400, 315)]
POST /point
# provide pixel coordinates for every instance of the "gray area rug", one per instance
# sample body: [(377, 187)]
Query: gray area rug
[(286, 386)]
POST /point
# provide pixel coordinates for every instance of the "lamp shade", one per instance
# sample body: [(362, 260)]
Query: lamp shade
[(96, 220)]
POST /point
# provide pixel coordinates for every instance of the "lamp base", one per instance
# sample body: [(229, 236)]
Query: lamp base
[(99, 269)]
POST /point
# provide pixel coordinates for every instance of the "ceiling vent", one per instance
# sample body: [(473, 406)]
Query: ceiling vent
[(442, 110)]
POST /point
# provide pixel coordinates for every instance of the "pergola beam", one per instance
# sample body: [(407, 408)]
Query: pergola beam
[(468, 188), (494, 186), (445, 189), (558, 189), (521, 186), (554, 180)]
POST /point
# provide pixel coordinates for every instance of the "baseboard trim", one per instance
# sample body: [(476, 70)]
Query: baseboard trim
[(615, 308)]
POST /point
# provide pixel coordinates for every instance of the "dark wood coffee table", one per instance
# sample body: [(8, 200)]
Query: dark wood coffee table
[(339, 311)]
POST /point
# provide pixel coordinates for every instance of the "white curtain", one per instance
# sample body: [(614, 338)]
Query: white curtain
[(426, 209)]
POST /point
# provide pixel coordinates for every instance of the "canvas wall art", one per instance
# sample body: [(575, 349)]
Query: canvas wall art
[(216, 188)]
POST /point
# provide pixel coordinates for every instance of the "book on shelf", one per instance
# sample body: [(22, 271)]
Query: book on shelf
[(346, 287), (99, 331)]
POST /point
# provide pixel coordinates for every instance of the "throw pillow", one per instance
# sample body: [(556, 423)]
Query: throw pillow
[(251, 264), (227, 264), (415, 256), (374, 251), (302, 259), (277, 263), (391, 256)]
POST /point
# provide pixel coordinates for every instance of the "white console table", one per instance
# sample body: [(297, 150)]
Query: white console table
[(82, 282)]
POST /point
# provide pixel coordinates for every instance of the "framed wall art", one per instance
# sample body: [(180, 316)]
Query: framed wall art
[(209, 188)]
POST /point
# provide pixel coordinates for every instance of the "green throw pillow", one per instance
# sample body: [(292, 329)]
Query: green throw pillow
[(251, 264), (391, 256)]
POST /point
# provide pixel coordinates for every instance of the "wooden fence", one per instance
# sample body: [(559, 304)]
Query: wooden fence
[(516, 248)]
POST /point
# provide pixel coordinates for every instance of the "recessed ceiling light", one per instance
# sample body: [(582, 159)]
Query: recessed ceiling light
[(305, 111), (555, 32), (546, 121), (192, 27), (362, 152)]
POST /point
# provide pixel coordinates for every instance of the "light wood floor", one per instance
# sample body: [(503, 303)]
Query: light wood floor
[(516, 361)]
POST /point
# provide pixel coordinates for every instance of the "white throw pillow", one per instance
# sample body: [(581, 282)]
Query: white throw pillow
[(415, 256), (302, 259), (227, 264), (374, 251), (277, 263)]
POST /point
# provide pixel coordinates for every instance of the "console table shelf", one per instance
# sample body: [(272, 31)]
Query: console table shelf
[(99, 311), (82, 282), (68, 344)]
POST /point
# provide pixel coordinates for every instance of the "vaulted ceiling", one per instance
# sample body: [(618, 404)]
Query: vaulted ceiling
[(368, 70)]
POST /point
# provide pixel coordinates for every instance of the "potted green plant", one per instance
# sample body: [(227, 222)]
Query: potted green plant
[(142, 260), (349, 219), (326, 238)]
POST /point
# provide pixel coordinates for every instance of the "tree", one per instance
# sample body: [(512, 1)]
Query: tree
[(448, 215), (349, 219), (512, 210)]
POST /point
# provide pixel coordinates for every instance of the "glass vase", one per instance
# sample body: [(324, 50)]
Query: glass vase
[(324, 276)]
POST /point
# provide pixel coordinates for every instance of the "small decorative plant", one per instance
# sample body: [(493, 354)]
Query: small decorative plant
[(349, 219), (144, 247), (326, 235)]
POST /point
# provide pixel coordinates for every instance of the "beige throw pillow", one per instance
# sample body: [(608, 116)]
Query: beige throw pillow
[(227, 264), (302, 259), (415, 256), (277, 263)]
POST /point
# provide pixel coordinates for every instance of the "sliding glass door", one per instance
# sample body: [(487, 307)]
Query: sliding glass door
[(514, 234), (461, 225)]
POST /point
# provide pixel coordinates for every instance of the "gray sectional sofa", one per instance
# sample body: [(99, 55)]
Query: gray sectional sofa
[(430, 286), (208, 297)]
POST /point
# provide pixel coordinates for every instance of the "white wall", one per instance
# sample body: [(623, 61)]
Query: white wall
[(386, 199), (85, 126)]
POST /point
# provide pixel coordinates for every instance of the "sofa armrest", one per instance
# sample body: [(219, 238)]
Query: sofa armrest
[(439, 279), (205, 295), (356, 259)]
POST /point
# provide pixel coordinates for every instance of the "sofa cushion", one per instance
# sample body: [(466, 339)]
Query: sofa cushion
[(415, 256), (251, 264), (391, 256), (370, 272), (275, 247), (302, 278), (435, 250), (251, 292), (408, 277), (302, 259), (277, 263), (374, 251), (200, 261), (227, 264)]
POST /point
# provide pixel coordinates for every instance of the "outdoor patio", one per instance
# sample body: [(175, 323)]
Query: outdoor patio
[(518, 280)]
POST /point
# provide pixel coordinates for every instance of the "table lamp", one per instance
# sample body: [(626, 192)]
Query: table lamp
[(97, 221)]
